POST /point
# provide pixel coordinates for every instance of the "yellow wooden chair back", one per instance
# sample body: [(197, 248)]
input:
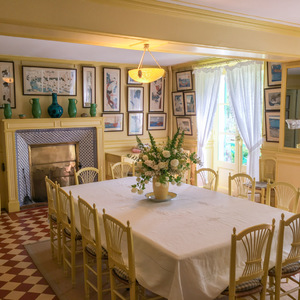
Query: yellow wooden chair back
[(122, 169), (87, 175), (209, 178), (267, 169), (241, 185)]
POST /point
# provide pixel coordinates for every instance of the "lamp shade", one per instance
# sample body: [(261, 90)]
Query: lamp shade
[(146, 75)]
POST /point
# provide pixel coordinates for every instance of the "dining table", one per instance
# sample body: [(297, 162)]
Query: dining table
[(181, 246)]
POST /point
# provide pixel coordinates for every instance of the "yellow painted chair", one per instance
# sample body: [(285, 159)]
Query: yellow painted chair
[(54, 218), (243, 184), (122, 169), (87, 175), (256, 243), (209, 178)]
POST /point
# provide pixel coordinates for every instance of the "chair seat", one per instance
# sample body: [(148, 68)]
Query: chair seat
[(91, 250), (53, 217), (67, 233), (289, 269), (121, 274), (247, 287)]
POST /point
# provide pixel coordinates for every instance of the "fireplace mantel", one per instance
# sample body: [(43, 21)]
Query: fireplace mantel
[(9, 188)]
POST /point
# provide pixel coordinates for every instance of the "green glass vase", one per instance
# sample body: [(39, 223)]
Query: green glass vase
[(93, 110), (7, 111), (72, 109), (36, 107)]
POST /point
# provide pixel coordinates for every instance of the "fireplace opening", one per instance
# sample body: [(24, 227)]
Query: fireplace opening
[(57, 161)]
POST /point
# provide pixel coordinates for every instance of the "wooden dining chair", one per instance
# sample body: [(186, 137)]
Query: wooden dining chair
[(94, 255), (255, 242), (71, 237), (54, 218), (122, 169), (286, 196), (209, 178), (121, 266), (87, 175), (243, 185), (290, 266)]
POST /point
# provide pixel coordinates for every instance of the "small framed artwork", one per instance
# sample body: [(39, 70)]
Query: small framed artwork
[(45, 81), (190, 103), (135, 123), (88, 86), (184, 80), (178, 104), (113, 122), (7, 87), (156, 98), (111, 89), (185, 124), (135, 98), (131, 81), (157, 121), (272, 98), (272, 126), (274, 73)]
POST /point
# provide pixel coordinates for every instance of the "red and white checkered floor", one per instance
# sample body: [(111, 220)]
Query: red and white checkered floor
[(19, 278)]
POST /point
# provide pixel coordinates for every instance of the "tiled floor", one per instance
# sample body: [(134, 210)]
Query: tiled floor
[(19, 278)]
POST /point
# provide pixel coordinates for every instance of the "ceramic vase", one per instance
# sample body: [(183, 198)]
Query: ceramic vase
[(36, 107), (93, 110), (160, 192), (55, 110), (7, 111), (72, 110)]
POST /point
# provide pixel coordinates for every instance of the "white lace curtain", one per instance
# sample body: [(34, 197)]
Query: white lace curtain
[(244, 84)]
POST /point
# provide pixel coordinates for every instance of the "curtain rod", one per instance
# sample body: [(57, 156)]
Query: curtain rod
[(219, 63)]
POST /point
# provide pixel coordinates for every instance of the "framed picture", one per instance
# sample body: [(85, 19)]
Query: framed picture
[(113, 122), (157, 121), (7, 88), (178, 104), (45, 81), (131, 81), (272, 98), (135, 123), (88, 86), (272, 126), (184, 80), (185, 124), (111, 88), (156, 98), (274, 73), (190, 103), (135, 98)]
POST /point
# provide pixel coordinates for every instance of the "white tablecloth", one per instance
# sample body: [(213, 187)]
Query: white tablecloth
[(182, 247)]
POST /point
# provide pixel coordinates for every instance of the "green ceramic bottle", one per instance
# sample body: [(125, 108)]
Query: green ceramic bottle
[(36, 107), (7, 111), (93, 110), (72, 110)]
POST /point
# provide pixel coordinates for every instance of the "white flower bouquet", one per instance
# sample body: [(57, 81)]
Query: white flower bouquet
[(165, 162)]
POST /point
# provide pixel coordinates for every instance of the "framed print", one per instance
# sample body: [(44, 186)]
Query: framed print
[(272, 98), (113, 122), (7, 87), (274, 73), (184, 80), (156, 98), (190, 103), (135, 123), (272, 126), (45, 81), (131, 81), (157, 121), (88, 86), (135, 98), (178, 104), (185, 124), (111, 88)]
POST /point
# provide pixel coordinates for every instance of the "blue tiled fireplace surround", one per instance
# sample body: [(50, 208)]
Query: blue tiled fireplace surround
[(85, 137)]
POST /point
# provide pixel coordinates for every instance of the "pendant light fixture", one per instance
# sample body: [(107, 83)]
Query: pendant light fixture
[(146, 75)]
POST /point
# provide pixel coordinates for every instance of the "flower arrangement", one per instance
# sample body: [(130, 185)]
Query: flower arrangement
[(167, 162)]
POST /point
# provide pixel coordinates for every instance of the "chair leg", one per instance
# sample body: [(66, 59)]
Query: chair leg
[(112, 285), (59, 242), (132, 292), (73, 262), (85, 272), (99, 276), (64, 254)]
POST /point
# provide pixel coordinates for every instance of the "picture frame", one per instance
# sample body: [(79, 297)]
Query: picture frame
[(272, 126), (156, 95), (131, 81), (135, 123), (272, 98), (178, 104), (185, 124), (156, 121), (45, 81), (7, 87), (190, 103), (113, 122), (88, 86), (274, 73), (184, 80), (135, 98), (111, 89)]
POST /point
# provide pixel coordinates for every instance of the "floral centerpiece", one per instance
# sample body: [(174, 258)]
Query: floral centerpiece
[(163, 163)]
